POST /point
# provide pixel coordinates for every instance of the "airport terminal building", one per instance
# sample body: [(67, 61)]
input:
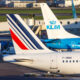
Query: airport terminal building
[(67, 3), (62, 3), (19, 3), (35, 3)]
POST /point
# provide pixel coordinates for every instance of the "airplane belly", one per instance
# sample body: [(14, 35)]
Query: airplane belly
[(70, 69)]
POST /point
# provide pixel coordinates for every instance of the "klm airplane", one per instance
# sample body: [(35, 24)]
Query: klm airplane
[(58, 37)]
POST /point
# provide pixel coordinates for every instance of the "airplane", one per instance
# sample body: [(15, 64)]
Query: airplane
[(58, 37), (68, 24), (31, 52)]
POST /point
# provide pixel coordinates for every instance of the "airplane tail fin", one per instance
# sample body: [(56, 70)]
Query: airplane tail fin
[(54, 29), (74, 10), (24, 40)]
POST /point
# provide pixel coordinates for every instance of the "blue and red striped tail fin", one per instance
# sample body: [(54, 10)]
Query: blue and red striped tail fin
[(23, 37)]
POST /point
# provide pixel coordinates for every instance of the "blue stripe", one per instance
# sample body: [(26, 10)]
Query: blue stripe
[(25, 31), (18, 35), (20, 32)]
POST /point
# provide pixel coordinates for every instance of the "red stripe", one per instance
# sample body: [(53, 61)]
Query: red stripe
[(18, 42)]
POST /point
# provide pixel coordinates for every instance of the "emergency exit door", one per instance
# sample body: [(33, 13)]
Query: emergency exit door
[(53, 61)]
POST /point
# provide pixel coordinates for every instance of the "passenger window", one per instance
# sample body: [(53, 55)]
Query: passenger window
[(39, 22), (77, 61), (70, 61), (76, 22), (68, 22), (61, 22), (66, 61), (73, 61), (63, 61)]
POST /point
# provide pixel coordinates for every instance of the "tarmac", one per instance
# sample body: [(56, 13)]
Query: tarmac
[(10, 71)]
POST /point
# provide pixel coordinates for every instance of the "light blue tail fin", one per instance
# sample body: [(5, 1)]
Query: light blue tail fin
[(53, 27)]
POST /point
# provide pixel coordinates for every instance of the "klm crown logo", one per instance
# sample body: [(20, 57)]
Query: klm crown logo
[(53, 25)]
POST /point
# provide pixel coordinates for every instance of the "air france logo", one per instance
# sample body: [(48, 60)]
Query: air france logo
[(53, 25)]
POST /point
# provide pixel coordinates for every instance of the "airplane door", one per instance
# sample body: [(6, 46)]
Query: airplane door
[(53, 66)]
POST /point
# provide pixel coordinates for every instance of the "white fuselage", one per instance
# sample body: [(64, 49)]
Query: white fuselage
[(62, 63)]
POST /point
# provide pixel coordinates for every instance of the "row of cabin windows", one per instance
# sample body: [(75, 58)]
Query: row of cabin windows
[(70, 61), (69, 22), (60, 22)]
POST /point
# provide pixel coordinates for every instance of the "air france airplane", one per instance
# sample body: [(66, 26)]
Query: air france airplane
[(31, 52), (58, 37)]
